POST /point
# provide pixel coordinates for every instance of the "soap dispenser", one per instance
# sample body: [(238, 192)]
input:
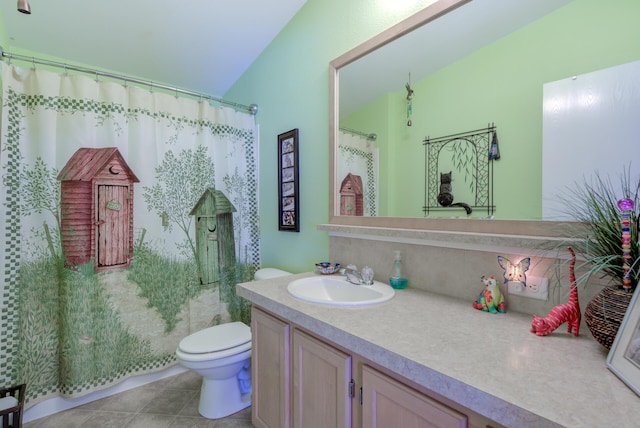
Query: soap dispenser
[(396, 280)]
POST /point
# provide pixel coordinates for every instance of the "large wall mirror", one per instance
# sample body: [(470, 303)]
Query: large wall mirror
[(469, 63)]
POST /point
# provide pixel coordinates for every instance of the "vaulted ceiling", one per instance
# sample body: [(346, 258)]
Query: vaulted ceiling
[(199, 45)]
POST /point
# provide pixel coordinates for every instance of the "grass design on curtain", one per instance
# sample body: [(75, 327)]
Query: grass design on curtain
[(49, 295), (167, 283), (69, 312), (55, 299), (239, 308)]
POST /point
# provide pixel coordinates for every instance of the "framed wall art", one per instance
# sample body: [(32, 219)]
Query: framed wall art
[(288, 182), (624, 356)]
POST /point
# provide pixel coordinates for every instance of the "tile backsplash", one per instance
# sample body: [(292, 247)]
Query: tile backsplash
[(453, 267)]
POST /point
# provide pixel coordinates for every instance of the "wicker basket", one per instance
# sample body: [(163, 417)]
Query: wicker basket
[(604, 313)]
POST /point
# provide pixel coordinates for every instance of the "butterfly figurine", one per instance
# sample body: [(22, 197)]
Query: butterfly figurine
[(514, 272)]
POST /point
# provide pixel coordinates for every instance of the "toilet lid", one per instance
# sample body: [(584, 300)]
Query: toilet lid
[(216, 338)]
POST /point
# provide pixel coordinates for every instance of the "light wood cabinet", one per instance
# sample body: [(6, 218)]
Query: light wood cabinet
[(388, 403), (302, 381), (321, 378), (270, 368)]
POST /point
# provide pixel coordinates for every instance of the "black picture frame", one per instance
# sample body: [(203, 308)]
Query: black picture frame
[(288, 182)]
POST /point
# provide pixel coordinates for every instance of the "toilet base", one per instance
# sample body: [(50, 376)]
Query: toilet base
[(220, 398)]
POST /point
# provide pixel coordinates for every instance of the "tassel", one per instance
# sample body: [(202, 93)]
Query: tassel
[(494, 150)]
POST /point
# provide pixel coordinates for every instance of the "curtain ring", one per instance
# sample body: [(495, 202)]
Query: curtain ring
[(97, 80), (33, 62), (124, 82)]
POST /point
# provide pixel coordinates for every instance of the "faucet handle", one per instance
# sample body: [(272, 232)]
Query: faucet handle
[(367, 275)]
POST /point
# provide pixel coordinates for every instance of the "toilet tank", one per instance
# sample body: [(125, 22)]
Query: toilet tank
[(268, 273)]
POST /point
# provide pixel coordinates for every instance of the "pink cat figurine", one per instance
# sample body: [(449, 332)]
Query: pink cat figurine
[(566, 312)]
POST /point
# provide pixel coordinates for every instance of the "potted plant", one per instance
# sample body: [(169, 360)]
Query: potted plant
[(598, 239)]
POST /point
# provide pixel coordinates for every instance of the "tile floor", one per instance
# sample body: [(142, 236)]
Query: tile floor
[(168, 403)]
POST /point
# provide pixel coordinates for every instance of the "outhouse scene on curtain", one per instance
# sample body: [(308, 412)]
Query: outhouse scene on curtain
[(357, 167), (128, 217)]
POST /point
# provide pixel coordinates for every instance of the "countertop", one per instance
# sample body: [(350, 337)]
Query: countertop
[(489, 363)]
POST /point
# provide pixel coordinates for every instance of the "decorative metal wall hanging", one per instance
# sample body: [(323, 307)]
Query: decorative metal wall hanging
[(473, 153), (288, 186), (410, 93)]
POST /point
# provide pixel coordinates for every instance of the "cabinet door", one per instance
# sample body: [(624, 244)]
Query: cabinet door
[(321, 377), (388, 403), (270, 364)]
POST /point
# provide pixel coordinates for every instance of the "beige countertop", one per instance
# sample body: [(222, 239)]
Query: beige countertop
[(489, 363)]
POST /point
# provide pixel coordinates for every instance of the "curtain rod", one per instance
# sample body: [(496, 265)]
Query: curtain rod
[(252, 109), (372, 136)]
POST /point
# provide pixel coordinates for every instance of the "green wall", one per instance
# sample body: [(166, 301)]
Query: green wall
[(500, 83), (290, 83), (4, 39)]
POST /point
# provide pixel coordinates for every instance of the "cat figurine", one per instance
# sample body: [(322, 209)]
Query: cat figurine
[(490, 298), (445, 197), (566, 312)]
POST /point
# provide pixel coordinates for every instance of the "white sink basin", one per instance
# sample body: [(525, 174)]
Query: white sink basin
[(338, 291)]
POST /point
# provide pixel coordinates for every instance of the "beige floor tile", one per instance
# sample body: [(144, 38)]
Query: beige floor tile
[(101, 419), (187, 381), (192, 422), (233, 423), (169, 403), (146, 420), (73, 418), (132, 400)]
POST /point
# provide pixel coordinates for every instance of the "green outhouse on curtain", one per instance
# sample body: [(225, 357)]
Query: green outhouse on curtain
[(215, 245)]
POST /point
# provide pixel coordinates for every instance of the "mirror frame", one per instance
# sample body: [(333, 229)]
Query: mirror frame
[(511, 227)]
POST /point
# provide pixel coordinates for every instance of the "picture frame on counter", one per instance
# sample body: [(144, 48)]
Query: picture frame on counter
[(624, 357), (288, 182)]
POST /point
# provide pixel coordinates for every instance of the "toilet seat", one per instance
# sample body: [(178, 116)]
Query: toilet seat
[(216, 342)]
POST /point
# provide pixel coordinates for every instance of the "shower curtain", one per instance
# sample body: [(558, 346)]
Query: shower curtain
[(118, 205), (359, 156)]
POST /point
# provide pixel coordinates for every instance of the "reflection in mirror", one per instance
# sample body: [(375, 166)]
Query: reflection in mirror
[(474, 62), (471, 153), (358, 167)]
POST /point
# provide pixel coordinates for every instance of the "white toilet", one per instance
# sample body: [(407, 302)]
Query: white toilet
[(222, 356)]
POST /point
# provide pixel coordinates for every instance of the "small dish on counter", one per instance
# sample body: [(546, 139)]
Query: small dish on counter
[(327, 268)]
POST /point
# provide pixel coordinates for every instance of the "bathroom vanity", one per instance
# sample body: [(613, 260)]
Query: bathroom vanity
[(320, 384), (422, 356)]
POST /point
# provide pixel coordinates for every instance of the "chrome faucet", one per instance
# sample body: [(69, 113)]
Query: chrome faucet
[(359, 278), (353, 276)]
